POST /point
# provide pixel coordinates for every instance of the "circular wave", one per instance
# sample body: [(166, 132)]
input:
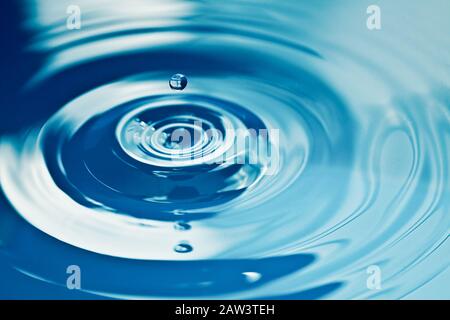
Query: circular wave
[(274, 173)]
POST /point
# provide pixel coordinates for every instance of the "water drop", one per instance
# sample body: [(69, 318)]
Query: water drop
[(182, 226), (178, 81), (183, 248), (252, 276), (178, 212)]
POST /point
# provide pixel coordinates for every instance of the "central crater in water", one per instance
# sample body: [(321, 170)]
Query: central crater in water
[(179, 135), (159, 156)]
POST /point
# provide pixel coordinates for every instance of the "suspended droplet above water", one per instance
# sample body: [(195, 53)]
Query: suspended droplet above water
[(178, 81)]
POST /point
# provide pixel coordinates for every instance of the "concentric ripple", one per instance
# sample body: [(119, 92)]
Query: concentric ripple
[(297, 156)]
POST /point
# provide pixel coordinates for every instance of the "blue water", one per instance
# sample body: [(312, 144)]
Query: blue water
[(356, 175)]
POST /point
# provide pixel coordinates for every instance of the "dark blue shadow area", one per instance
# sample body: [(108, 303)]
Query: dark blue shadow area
[(16, 65)]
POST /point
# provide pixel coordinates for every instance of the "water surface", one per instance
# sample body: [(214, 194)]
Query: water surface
[(360, 175)]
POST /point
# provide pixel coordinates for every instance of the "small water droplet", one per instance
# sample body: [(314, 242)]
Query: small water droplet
[(178, 81), (178, 212), (251, 276), (182, 226), (183, 248)]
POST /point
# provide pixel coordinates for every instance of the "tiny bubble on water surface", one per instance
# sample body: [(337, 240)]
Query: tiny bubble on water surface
[(183, 248), (182, 226)]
